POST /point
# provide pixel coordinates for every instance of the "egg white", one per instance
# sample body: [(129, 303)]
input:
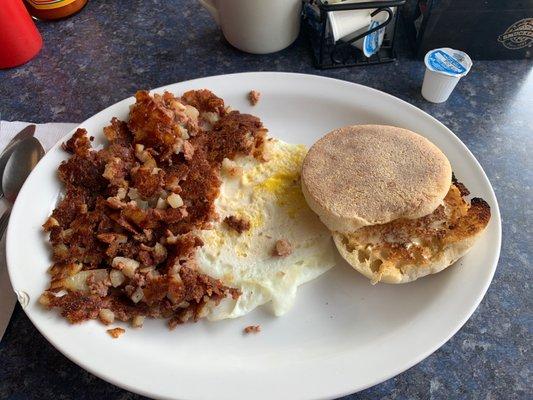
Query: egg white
[(268, 195)]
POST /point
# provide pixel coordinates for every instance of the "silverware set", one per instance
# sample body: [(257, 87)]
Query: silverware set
[(17, 160)]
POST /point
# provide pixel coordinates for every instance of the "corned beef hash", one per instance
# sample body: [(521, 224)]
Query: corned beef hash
[(189, 211)]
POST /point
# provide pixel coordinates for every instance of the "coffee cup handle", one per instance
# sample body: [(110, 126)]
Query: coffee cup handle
[(210, 6)]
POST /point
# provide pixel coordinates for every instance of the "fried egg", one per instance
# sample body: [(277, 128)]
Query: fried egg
[(268, 196)]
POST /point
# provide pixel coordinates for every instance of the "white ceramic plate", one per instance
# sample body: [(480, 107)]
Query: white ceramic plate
[(343, 335)]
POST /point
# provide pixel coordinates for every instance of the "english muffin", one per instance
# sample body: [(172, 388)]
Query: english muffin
[(372, 174), (404, 250), (389, 197)]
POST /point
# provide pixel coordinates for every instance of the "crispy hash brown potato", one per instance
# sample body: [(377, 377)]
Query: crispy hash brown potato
[(407, 249), (123, 236)]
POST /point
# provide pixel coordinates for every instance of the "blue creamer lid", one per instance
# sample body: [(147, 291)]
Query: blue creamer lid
[(448, 61), (372, 42)]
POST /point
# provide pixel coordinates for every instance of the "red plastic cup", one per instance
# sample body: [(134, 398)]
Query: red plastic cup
[(20, 40)]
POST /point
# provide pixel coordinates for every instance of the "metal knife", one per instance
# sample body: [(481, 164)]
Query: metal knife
[(4, 156)]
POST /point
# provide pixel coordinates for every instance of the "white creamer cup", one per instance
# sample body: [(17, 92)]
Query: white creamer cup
[(347, 25), (444, 68), (344, 23)]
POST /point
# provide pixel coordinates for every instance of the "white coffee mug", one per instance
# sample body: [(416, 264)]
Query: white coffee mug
[(257, 26)]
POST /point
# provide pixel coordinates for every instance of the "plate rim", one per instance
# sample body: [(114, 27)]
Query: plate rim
[(495, 211)]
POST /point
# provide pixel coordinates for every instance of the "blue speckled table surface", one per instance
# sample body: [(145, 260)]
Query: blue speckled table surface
[(113, 48)]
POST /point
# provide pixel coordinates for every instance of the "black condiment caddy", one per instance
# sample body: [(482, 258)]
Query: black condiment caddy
[(328, 54)]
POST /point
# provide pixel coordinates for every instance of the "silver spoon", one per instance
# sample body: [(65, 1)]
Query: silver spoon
[(25, 133), (23, 159)]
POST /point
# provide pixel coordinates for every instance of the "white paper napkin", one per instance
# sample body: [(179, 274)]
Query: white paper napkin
[(48, 135)]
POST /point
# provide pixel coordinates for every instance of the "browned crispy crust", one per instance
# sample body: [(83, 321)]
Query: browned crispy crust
[(114, 206), (154, 123), (115, 333), (254, 97), (252, 329), (239, 225), (462, 188), (455, 220), (282, 248), (475, 220), (205, 101), (79, 143), (233, 134)]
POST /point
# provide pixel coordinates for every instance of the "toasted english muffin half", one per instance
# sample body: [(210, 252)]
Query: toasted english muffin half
[(404, 250), (373, 174)]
